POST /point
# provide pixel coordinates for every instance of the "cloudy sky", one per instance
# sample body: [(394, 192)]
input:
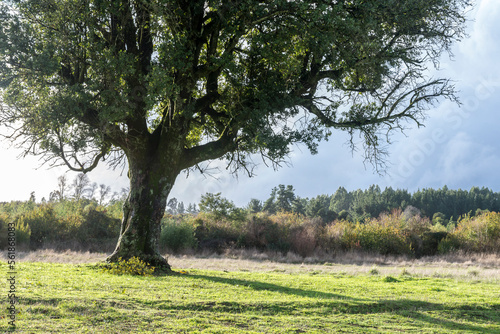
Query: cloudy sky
[(458, 147)]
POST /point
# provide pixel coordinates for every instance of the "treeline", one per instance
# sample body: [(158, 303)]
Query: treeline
[(439, 205)]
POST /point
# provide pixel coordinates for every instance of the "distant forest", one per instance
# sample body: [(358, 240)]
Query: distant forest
[(358, 205)]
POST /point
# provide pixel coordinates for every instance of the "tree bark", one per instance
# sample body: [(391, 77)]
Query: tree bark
[(143, 210)]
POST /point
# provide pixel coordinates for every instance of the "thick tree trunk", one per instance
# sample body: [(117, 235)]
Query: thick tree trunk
[(143, 210)]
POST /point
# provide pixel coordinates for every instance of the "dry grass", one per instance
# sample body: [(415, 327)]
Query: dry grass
[(53, 256), (484, 267)]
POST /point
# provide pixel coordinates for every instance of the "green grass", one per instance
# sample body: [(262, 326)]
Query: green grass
[(69, 298)]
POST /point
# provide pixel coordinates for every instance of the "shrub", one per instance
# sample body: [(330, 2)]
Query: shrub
[(430, 243), (276, 232), (386, 235), (4, 218), (215, 233), (44, 225), (23, 234), (382, 237), (338, 236), (478, 234), (304, 239), (259, 230), (94, 225), (177, 235)]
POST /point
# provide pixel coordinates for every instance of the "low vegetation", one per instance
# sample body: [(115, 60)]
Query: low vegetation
[(85, 216), (390, 234)]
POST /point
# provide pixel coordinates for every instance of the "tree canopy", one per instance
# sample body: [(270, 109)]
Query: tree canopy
[(89, 78), (169, 84)]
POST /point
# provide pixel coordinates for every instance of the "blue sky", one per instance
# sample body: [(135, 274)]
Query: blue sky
[(458, 147)]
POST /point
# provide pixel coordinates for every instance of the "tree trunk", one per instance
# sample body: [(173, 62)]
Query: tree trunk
[(150, 184)]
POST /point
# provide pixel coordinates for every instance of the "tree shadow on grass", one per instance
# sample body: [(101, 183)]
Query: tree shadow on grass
[(330, 303), (273, 287)]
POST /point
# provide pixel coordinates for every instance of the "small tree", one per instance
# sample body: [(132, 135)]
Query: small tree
[(254, 206), (80, 186), (285, 198), (167, 85), (104, 192), (216, 205), (62, 187)]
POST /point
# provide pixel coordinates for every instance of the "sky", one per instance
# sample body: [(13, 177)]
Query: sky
[(459, 146)]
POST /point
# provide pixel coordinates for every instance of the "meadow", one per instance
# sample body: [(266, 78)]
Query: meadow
[(256, 293)]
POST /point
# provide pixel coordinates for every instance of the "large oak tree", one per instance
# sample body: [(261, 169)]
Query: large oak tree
[(168, 84)]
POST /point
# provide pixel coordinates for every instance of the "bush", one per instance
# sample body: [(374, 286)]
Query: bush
[(430, 243), (4, 218), (259, 232), (276, 232), (45, 226), (382, 237), (23, 234), (390, 234), (93, 226), (214, 233), (478, 234), (338, 236), (177, 235), (304, 239)]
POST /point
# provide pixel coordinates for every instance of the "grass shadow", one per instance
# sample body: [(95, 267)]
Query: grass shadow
[(256, 285), (334, 303)]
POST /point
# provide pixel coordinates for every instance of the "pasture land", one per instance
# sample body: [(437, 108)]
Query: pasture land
[(255, 295)]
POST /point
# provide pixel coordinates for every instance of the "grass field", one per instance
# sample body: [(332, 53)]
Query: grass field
[(257, 296)]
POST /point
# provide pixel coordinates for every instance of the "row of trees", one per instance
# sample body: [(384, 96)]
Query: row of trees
[(440, 205)]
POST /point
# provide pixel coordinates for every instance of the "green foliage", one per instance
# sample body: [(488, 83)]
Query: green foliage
[(94, 226), (132, 266), (45, 226), (23, 234), (4, 218), (177, 234), (438, 218), (63, 224), (285, 198), (85, 224), (254, 206), (319, 206), (389, 234), (171, 84), (478, 234), (219, 207)]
